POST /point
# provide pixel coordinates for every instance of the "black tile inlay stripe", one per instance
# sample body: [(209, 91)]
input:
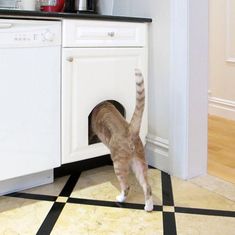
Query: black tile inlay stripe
[(186, 210), (69, 186), (167, 194), (169, 226), (33, 196), (57, 208), (110, 204), (51, 219), (200, 211)]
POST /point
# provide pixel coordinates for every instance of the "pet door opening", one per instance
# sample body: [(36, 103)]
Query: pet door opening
[(93, 139)]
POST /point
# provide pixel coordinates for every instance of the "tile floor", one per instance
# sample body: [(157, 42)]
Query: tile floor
[(83, 204)]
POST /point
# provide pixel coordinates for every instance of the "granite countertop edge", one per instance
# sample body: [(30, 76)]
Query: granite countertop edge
[(62, 15)]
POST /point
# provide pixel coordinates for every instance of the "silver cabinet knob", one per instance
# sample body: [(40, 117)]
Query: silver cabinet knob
[(69, 59)]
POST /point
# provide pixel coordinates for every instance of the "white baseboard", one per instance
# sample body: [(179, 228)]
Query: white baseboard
[(25, 182), (157, 152), (221, 107)]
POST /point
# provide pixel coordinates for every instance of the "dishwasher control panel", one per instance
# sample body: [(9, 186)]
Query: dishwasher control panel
[(29, 33), (44, 36)]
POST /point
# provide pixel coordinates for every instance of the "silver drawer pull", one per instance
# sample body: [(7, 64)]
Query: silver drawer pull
[(111, 34), (69, 59)]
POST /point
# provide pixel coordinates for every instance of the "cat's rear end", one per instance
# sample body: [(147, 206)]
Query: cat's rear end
[(122, 138)]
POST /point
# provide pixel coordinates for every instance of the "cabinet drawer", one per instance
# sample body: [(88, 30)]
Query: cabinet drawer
[(87, 33)]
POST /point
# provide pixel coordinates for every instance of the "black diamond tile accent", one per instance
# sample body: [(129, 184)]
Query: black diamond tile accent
[(33, 196), (169, 224), (57, 208), (51, 219), (110, 204), (200, 211), (167, 194), (69, 186)]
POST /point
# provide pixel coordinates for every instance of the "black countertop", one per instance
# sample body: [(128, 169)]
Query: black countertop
[(62, 15)]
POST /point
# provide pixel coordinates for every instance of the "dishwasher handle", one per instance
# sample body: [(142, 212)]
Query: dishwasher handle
[(5, 25)]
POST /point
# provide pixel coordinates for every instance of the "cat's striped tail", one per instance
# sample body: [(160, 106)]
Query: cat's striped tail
[(139, 106)]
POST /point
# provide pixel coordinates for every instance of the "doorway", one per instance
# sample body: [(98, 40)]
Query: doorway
[(221, 119)]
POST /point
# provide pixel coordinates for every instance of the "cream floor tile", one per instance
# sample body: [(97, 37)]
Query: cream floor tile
[(53, 189), (97, 184), (89, 220), (136, 193), (22, 217), (214, 184), (102, 184), (187, 194), (204, 225)]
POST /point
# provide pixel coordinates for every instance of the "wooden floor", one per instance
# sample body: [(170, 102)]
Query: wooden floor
[(221, 148)]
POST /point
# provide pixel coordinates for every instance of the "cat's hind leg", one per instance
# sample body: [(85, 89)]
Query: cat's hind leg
[(140, 168), (122, 171)]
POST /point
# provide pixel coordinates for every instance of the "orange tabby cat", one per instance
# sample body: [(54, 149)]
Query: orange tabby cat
[(122, 138)]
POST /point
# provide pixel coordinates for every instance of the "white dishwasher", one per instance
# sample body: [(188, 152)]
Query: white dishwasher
[(30, 54)]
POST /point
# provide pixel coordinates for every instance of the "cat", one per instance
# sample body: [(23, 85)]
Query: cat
[(122, 138)]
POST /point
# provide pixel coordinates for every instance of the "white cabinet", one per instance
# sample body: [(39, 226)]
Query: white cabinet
[(91, 75)]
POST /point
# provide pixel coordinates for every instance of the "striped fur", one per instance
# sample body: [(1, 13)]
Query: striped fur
[(140, 101), (122, 138)]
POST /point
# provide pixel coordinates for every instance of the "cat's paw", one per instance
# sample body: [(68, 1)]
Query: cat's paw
[(149, 205), (120, 198)]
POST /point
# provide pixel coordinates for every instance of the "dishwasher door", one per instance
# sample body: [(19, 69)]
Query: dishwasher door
[(29, 110)]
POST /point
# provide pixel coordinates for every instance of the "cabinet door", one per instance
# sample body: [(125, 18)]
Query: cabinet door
[(90, 76)]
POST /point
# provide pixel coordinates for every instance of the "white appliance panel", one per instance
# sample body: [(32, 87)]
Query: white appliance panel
[(29, 110)]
